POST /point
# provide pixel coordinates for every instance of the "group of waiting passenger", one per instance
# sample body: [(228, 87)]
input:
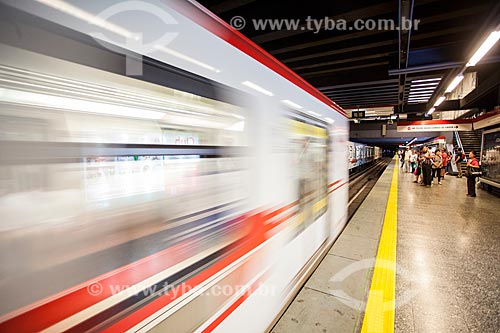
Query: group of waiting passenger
[(427, 165)]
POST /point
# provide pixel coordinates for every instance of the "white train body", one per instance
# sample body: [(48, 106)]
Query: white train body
[(138, 205), (360, 154)]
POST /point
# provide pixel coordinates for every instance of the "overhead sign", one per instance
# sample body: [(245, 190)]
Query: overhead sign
[(434, 126), (358, 114)]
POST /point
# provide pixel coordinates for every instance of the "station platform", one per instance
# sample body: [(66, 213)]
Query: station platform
[(412, 259)]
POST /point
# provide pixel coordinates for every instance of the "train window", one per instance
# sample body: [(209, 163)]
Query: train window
[(311, 148), (167, 177), (77, 111), (105, 159)]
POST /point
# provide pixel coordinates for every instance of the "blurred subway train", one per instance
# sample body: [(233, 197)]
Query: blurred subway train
[(187, 184), (360, 154)]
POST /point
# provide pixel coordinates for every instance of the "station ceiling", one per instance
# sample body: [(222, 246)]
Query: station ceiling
[(374, 68)]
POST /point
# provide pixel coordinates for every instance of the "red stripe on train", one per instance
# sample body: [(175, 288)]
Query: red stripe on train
[(334, 183), (260, 229), (56, 308), (51, 310), (336, 188)]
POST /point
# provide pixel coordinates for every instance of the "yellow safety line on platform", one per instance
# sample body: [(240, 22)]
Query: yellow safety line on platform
[(379, 312)]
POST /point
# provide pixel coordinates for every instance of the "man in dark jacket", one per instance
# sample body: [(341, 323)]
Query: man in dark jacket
[(459, 158)]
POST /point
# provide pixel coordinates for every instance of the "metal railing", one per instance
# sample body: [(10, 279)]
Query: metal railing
[(459, 142)]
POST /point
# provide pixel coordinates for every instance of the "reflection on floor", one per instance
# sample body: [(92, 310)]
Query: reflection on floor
[(448, 258)]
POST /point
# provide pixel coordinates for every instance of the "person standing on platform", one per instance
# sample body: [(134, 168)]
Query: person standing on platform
[(472, 166), (418, 170), (437, 163), (445, 157), (413, 161), (452, 157), (459, 156), (425, 157), (407, 156)]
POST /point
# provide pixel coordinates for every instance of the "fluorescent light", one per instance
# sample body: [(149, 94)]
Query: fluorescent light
[(439, 101), (454, 83), (87, 17), (427, 80), (78, 105), (314, 113), (417, 93), (291, 104), (431, 110), (428, 84), (426, 94), (257, 88), (419, 98), (329, 120), (421, 92), (422, 89), (185, 57), (413, 140), (484, 48)]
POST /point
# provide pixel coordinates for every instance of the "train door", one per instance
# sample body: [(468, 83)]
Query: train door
[(311, 146)]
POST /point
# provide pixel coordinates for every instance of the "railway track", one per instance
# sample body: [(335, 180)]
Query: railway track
[(362, 181)]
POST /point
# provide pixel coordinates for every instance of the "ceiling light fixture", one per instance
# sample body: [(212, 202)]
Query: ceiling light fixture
[(422, 89), (426, 80), (439, 101), (425, 84), (413, 140), (454, 83), (484, 48), (426, 94)]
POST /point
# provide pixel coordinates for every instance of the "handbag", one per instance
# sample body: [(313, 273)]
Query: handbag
[(472, 172)]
